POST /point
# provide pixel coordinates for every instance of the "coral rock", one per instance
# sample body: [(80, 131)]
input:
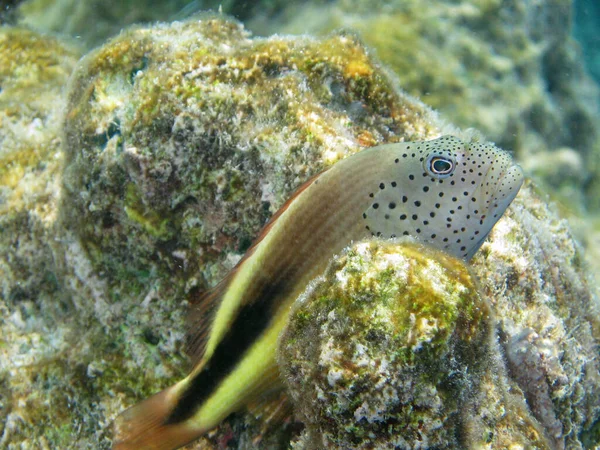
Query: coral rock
[(384, 351), (535, 385), (183, 139)]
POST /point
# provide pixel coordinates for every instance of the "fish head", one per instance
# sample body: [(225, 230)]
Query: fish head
[(444, 192)]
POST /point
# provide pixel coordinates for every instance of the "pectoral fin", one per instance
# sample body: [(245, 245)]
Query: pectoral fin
[(272, 410)]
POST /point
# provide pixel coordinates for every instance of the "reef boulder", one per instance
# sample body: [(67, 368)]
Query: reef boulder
[(181, 141), (386, 349)]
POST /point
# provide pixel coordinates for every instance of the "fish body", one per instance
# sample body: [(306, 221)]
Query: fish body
[(444, 192)]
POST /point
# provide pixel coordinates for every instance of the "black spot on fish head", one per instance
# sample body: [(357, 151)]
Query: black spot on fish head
[(486, 181), (403, 199), (445, 192)]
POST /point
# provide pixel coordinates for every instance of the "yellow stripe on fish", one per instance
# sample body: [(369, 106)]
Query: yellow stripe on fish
[(444, 192)]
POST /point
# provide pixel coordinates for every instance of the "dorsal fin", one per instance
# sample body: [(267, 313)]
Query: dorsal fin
[(279, 212), (204, 305)]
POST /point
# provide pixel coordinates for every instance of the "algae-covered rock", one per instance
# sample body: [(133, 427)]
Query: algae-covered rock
[(548, 317), (392, 348), (183, 139), (536, 384), (539, 380), (385, 350), (34, 70), (180, 142)]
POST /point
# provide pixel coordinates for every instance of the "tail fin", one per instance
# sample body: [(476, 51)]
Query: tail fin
[(145, 426)]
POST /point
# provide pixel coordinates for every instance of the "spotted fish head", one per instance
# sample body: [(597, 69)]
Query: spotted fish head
[(445, 192)]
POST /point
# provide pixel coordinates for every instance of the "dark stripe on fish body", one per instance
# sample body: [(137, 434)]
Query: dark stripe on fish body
[(253, 319), (270, 289)]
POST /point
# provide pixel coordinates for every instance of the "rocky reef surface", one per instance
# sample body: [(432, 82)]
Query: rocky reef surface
[(34, 310), (182, 140), (376, 352), (177, 143)]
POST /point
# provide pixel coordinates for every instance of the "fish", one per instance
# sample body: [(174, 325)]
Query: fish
[(446, 192)]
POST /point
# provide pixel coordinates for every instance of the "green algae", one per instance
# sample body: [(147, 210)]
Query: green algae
[(152, 221)]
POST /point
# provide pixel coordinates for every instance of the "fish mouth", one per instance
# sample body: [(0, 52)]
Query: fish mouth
[(507, 185)]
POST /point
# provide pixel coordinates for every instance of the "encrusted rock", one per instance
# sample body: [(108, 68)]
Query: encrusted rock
[(386, 349), (548, 317), (34, 70), (535, 385), (183, 139)]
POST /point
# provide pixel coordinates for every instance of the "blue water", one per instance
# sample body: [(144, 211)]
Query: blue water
[(586, 29)]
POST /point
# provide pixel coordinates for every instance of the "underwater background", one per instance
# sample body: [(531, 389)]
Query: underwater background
[(144, 144)]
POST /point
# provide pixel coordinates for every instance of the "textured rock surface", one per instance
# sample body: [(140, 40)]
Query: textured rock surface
[(182, 140), (548, 317), (386, 349), (34, 313)]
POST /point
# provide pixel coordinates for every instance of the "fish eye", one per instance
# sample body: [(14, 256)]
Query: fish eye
[(440, 166)]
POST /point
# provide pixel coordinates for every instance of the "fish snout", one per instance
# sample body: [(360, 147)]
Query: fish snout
[(510, 183), (508, 186)]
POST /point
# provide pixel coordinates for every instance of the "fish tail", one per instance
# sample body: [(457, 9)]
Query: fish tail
[(146, 426)]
